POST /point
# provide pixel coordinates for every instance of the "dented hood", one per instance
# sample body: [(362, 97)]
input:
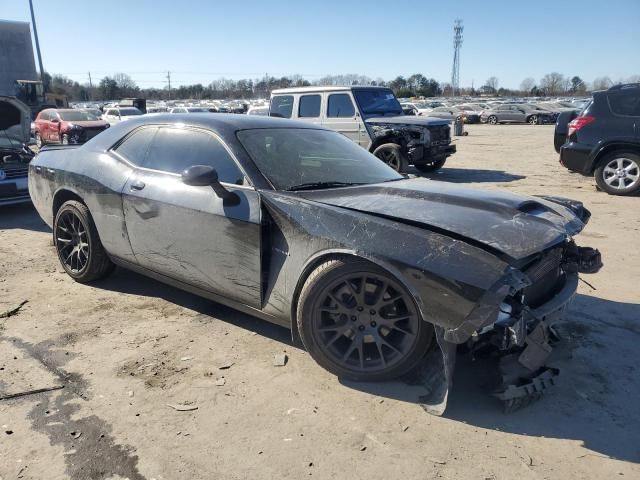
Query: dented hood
[(15, 123), (409, 120), (514, 225)]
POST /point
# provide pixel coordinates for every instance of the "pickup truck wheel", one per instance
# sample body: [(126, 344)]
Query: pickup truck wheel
[(431, 166), (619, 173), (79, 248), (39, 142), (360, 323), (392, 155), (492, 120)]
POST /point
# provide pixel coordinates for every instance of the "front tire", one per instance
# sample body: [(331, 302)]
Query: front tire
[(392, 155), (78, 245), (619, 173), (360, 323), (431, 166)]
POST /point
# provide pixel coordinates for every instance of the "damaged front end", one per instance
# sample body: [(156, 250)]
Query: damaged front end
[(515, 319)]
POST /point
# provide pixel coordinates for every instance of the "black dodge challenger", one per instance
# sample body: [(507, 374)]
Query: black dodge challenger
[(298, 225)]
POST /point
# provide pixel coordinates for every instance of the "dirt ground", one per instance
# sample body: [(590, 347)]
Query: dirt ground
[(126, 348)]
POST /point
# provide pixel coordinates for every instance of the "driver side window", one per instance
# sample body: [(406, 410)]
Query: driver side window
[(174, 150)]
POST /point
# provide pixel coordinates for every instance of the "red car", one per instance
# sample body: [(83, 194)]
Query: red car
[(67, 126)]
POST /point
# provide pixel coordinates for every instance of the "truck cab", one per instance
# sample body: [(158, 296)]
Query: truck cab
[(373, 118)]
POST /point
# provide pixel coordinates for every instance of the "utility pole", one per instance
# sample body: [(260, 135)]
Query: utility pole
[(90, 86), (457, 44), (35, 34), (169, 80)]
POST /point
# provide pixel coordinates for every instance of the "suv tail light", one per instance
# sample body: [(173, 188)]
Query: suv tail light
[(579, 122)]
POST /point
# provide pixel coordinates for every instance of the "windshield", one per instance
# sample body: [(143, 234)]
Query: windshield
[(198, 110), (77, 116), (127, 112), (290, 157), (377, 101)]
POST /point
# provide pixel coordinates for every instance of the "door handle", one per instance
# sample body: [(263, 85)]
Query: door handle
[(137, 185)]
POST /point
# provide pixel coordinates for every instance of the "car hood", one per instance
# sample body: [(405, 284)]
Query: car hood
[(15, 123), (408, 120), (512, 225)]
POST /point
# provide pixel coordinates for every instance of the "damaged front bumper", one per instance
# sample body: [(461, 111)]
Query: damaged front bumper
[(522, 337)]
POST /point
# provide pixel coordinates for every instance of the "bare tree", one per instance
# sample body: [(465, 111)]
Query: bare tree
[(553, 83), (527, 84), (492, 83), (602, 83)]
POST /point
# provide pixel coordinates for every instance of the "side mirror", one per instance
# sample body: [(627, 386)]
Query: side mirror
[(200, 176), (205, 176)]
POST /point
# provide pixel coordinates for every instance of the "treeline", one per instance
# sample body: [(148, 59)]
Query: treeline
[(121, 85)]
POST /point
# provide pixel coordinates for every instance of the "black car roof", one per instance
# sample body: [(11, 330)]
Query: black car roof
[(223, 124)]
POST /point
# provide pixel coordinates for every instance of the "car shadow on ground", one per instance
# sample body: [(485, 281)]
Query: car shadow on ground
[(594, 402), (22, 216), (465, 175), (128, 282)]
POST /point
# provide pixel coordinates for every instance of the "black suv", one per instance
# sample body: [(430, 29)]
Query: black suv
[(604, 139)]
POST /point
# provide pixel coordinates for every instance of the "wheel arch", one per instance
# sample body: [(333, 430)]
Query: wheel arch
[(64, 195), (334, 254), (610, 148)]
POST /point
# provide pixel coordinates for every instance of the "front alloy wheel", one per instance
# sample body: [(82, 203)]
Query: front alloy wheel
[(360, 323), (392, 155)]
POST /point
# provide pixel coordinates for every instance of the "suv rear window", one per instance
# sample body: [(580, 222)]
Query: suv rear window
[(625, 102), (281, 106)]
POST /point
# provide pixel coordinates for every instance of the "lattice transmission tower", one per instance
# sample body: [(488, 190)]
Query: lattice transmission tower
[(457, 44)]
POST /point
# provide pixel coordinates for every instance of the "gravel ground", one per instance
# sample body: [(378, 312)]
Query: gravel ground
[(145, 395)]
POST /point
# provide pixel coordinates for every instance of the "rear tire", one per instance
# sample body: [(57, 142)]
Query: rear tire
[(431, 166), (533, 120), (492, 120), (360, 323), (78, 245), (619, 173), (392, 155)]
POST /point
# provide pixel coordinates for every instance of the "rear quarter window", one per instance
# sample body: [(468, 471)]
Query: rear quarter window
[(136, 146), (281, 106), (625, 102), (309, 106)]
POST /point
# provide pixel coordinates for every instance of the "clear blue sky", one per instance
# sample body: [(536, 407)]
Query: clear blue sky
[(199, 40)]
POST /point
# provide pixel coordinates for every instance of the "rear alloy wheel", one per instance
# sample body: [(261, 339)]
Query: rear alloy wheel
[(392, 155), (492, 120), (360, 323), (619, 174), (79, 248), (533, 120), (431, 166)]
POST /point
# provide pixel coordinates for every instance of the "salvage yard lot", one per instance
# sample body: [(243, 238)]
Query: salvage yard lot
[(144, 395)]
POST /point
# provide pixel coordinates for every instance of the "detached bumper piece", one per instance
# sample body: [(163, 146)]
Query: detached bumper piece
[(525, 376)]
